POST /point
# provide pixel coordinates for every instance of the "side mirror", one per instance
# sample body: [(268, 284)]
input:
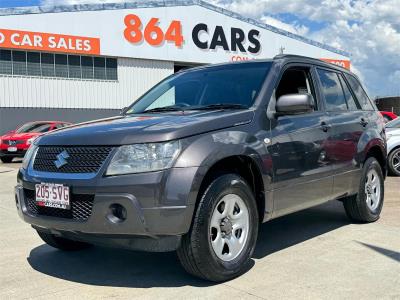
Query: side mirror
[(293, 104), (122, 111)]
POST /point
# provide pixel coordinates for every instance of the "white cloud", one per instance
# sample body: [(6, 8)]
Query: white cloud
[(73, 2), (368, 29), (293, 28)]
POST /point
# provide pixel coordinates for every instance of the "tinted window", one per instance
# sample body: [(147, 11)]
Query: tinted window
[(99, 68), (47, 64), (19, 62), (359, 92), (5, 62), (74, 66), (33, 63), (61, 66), (87, 67), (111, 69), (34, 127), (351, 102), (228, 84), (332, 90)]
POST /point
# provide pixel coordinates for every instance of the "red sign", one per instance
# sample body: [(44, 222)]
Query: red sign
[(50, 42), (338, 62)]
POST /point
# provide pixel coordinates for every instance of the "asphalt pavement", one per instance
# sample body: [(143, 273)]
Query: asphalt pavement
[(313, 254)]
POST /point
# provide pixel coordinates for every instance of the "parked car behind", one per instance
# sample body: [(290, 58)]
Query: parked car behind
[(393, 146), (16, 142), (198, 162), (388, 116)]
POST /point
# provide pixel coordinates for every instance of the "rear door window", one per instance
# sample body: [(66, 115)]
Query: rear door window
[(361, 95), (351, 102), (332, 90)]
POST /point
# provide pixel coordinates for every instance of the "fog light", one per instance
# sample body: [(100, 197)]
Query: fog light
[(117, 213)]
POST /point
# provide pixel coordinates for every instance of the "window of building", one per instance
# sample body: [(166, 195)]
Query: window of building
[(47, 64), (33, 64), (5, 62), (13, 62), (61, 65), (19, 62), (332, 90)]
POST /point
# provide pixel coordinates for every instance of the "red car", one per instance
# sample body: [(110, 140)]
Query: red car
[(388, 116), (16, 142)]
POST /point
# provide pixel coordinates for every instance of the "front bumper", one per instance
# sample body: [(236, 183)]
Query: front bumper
[(159, 208), (18, 153)]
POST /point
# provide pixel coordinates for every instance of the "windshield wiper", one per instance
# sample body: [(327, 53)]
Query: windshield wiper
[(165, 108), (220, 106)]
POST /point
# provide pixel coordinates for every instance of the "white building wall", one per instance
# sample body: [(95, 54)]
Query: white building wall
[(135, 76)]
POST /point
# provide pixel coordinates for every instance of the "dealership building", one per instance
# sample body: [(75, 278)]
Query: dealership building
[(81, 62)]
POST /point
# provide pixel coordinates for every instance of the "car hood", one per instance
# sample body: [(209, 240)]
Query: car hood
[(146, 128), (20, 136)]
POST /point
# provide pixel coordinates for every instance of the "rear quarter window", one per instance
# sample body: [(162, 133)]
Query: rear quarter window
[(359, 92)]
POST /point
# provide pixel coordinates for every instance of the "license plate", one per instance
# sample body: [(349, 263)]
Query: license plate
[(12, 149), (52, 195)]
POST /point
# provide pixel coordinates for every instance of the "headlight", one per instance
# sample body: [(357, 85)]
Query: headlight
[(28, 156), (140, 158), (30, 141)]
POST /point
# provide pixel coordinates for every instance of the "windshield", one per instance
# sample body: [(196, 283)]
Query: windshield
[(226, 86), (393, 124), (34, 127)]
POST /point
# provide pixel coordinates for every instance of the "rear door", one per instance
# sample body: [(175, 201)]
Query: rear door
[(345, 116)]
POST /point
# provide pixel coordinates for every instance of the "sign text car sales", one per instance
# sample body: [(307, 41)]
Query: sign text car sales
[(17, 39), (203, 36)]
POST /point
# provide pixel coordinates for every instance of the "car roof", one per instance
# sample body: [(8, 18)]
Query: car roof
[(282, 58)]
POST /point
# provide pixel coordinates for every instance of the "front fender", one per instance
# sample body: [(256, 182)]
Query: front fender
[(205, 150)]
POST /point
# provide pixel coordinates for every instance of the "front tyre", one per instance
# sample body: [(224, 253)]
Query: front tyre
[(62, 243), (366, 206), (223, 235)]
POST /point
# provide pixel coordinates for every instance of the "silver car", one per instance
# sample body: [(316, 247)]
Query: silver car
[(393, 146)]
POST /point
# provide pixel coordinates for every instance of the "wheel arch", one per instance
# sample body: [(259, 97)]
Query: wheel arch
[(380, 155), (244, 166)]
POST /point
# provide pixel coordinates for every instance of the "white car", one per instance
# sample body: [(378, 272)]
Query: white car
[(393, 146)]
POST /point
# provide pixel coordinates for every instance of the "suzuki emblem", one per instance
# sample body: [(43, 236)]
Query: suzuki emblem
[(61, 159)]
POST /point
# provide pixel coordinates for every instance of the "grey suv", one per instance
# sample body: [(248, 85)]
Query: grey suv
[(199, 161)]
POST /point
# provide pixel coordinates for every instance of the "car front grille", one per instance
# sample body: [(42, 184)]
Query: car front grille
[(81, 207), (13, 142), (79, 159)]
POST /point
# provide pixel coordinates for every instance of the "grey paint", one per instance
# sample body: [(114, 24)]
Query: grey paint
[(11, 118), (162, 3), (294, 174)]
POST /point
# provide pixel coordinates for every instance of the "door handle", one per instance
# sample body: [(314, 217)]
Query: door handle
[(325, 127), (363, 122)]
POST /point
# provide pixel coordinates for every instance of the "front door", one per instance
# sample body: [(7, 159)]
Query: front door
[(302, 173)]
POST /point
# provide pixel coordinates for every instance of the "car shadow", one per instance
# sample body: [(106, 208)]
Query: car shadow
[(124, 268)]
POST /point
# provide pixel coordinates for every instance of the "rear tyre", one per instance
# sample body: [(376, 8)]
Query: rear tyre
[(394, 162), (6, 160), (366, 206), (223, 235), (62, 243)]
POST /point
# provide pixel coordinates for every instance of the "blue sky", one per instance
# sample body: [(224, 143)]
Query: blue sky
[(15, 3), (368, 29)]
